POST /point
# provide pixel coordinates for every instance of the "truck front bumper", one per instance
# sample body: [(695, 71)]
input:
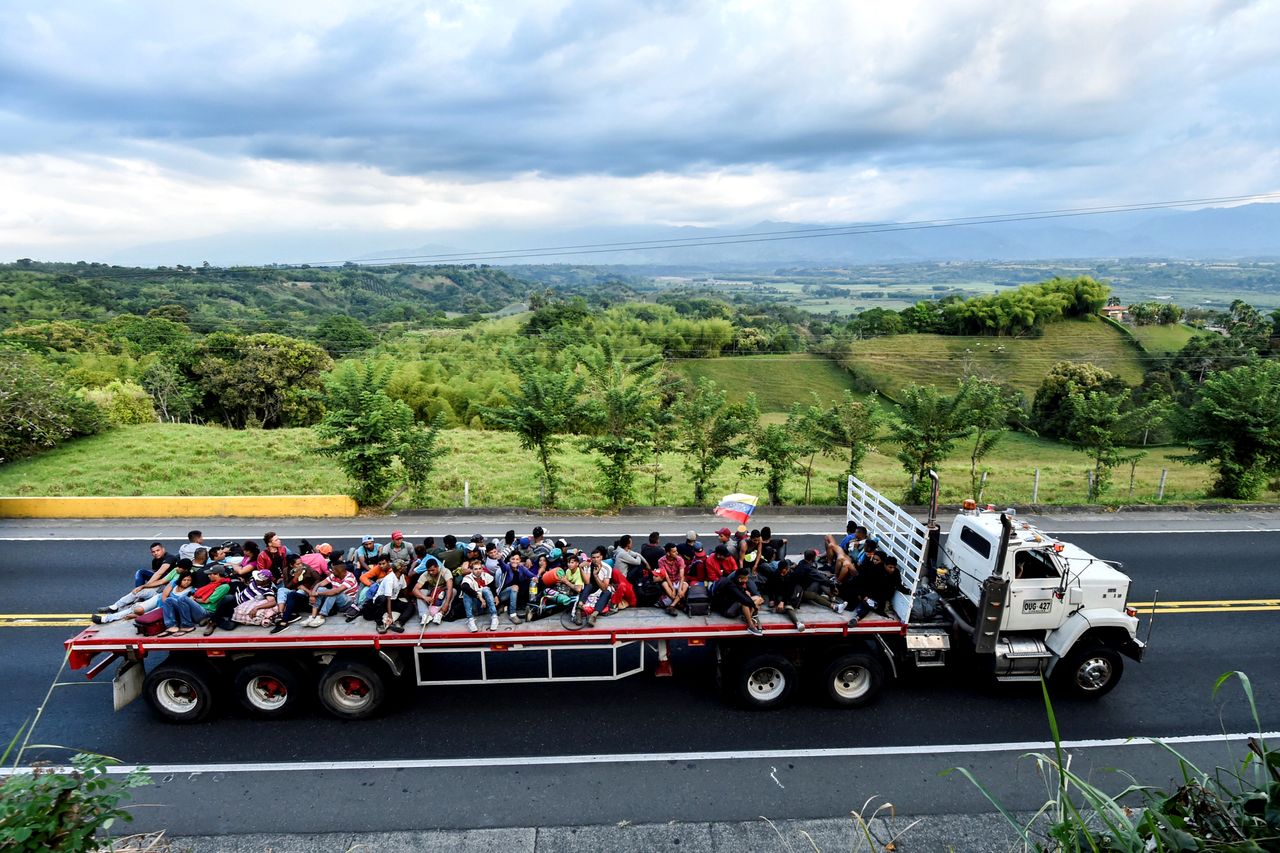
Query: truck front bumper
[(1133, 648)]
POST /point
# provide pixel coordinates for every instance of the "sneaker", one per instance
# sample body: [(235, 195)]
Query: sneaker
[(437, 619), (210, 628), (528, 614), (397, 627), (754, 628), (671, 611), (424, 621), (576, 618), (382, 628), (351, 617), (317, 621), (800, 627), (514, 617), (97, 619), (493, 622), (292, 619), (591, 620), (279, 626), (471, 625), (105, 610), (839, 606)]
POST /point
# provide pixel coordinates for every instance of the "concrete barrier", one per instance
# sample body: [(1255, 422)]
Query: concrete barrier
[(268, 506)]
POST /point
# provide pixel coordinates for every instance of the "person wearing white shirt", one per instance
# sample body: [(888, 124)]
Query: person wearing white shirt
[(391, 605)]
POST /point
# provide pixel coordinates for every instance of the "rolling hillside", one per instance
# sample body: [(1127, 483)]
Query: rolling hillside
[(777, 380), (890, 363)]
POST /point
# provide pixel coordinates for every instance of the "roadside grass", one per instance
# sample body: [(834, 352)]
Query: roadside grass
[(181, 459), (777, 380), (892, 363), (1164, 339)]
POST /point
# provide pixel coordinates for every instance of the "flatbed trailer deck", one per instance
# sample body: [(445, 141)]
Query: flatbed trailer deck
[(355, 667)]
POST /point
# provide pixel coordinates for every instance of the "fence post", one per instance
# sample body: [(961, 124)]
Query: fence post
[(466, 493), (1035, 488), (1164, 472), (1089, 497)]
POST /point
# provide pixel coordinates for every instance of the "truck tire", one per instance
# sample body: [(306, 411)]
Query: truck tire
[(180, 692), (1089, 673), (766, 681), (853, 680), (350, 690), (269, 689)]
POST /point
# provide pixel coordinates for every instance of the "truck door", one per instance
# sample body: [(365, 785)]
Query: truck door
[(1033, 592)]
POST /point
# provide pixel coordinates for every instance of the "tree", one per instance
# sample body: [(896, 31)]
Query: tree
[(621, 412), (173, 395), (1099, 423), (341, 335), (263, 380), (1049, 412), (709, 431), (775, 448), (926, 427), (1234, 425), (989, 409), (36, 410), (847, 427), (538, 411), (1170, 314), (375, 439)]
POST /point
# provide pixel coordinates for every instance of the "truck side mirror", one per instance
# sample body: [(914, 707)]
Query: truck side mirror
[(1075, 596)]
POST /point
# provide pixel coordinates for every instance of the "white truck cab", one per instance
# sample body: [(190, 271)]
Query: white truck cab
[(1030, 604)]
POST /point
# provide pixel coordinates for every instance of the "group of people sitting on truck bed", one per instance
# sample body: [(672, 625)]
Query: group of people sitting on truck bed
[(530, 577)]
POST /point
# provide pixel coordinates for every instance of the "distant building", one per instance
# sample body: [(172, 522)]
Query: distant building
[(1119, 313)]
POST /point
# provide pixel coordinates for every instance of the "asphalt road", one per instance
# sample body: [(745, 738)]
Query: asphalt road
[(516, 728)]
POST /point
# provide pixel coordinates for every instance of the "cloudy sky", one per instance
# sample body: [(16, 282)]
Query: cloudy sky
[(376, 125)]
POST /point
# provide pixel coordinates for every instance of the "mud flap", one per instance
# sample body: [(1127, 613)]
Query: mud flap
[(127, 683)]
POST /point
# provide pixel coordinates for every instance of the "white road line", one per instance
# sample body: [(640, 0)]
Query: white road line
[(634, 531), (657, 758)]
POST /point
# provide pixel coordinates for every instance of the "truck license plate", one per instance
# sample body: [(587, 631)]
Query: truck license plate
[(1037, 605)]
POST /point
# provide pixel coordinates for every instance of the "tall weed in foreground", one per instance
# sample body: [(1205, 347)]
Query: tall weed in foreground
[(1227, 809)]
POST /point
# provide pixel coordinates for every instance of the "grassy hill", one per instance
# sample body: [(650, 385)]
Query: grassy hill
[(891, 363), (777, 380), (1164, 339), (181, 459)]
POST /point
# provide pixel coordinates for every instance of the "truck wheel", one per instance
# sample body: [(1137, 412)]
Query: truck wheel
[(351, 691), (853, 680), (766, 681), (1089, 673), (269, 689), (179, 692)]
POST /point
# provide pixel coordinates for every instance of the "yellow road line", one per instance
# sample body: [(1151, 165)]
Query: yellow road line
[(1229, 602)]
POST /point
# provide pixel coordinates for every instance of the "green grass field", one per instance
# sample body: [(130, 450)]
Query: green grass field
[(179, 459), (892, 363), (777, 380), (1164, 339)]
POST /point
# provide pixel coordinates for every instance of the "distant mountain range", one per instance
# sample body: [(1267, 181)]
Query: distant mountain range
[(1247, 231)]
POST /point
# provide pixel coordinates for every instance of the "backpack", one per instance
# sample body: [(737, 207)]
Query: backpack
[(150, 623)]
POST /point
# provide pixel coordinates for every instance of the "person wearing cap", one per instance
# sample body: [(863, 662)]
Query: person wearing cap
[(695, 571), (365, 554), (724, 534), (731, 598), (670, 576), (687, 548), (398, 550), (256, 603), (318, 560)]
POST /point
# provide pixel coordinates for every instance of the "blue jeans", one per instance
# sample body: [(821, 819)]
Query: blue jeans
[(471, 602), (511, 596), (338, 602), (183, 611), (601, 603), (141, 576)]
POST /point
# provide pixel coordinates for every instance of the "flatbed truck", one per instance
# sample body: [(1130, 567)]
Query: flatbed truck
[(1024, 604)]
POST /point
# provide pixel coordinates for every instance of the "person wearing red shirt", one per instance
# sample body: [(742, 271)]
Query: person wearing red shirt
[(670, 576)]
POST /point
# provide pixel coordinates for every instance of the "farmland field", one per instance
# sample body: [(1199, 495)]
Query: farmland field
[(777, 380), (891, 363), (1164, 339)]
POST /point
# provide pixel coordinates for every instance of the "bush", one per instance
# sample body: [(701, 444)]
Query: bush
[(47, 810), (122, 403), (36, 410)]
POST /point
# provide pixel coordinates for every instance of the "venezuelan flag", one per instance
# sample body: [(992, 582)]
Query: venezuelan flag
[(737, 507)]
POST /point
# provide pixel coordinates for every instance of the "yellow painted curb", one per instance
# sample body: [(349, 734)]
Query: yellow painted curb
[(269, 506)]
